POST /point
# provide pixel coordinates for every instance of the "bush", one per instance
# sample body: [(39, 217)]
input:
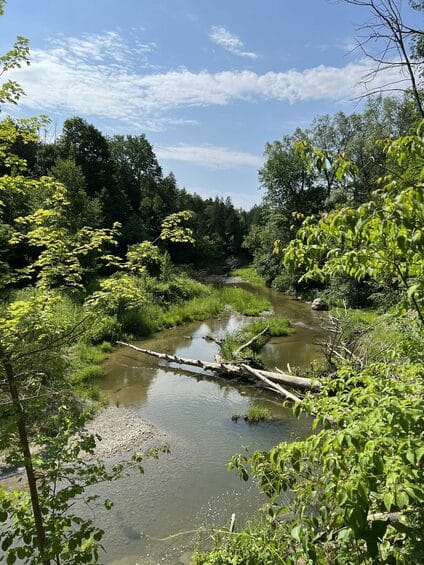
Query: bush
[(104, 328)]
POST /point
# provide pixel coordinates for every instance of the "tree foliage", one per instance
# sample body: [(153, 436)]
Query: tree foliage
[(352, 492), (382, 239)]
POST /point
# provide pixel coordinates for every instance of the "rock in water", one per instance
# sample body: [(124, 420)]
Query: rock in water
[(319, 304)]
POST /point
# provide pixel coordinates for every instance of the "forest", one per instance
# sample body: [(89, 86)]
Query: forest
[(97, 246)]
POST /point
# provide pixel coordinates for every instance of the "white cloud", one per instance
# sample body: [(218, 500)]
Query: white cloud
[(209, 156), (229, 42), (102, 76)]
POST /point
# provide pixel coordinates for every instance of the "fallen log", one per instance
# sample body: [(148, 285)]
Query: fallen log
[(230, 369), (274, 386), (213, 339)]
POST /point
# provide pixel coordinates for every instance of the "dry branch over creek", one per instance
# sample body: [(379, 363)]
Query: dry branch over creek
[(273, 380)]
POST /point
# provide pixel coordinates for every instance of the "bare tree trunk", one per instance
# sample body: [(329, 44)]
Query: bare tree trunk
[(24, 444), (275, 386), (232, 369)]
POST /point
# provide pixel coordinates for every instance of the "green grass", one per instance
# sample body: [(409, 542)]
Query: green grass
[(256, 413), (152, 318), (277, 327), (86, 367), (248, 274), (243, 301)]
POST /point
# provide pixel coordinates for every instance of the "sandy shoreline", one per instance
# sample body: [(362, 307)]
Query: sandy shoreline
[(122, 431)]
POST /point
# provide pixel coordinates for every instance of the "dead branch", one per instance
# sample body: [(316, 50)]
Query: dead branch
[(251, 341), (275, 386), (232, 369)]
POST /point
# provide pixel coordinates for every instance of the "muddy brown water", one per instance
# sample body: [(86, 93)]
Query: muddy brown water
[(191, 488)]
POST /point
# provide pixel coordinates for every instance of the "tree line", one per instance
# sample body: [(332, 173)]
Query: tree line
[(119, 179), (337, 162)]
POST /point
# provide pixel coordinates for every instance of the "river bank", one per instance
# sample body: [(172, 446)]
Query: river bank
[(121, 430)]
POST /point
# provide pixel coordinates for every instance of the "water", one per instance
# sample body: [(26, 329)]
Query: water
[(191, 488)]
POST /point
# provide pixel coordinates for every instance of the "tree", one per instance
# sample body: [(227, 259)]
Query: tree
[(398, 44), (36, 327), (134, 163), (11, 91), (37, 403), (32, 335), (355, 485), (86, 145), (82, 210), (381, 239)]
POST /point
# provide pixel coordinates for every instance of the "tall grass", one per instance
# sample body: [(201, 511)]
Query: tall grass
[(85, 368), (150, 318), (243, 301), (256, 413), (248, 274), (276, 327)]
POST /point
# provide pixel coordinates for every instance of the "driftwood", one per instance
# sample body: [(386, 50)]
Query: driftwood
[(212, 339), (245, 371), (251, 341), (274, 386)]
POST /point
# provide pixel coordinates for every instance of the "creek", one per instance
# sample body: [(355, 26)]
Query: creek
[(190, 488)]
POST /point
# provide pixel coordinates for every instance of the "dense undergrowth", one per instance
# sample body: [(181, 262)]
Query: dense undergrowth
[(357, 481), (177, 301)]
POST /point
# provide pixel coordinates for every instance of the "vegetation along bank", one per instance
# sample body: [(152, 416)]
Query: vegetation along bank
[(96, 245)]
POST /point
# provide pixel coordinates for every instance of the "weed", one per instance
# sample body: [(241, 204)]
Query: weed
[(257, 413)]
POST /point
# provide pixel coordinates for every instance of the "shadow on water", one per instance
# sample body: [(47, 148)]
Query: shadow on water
[(191, 488)]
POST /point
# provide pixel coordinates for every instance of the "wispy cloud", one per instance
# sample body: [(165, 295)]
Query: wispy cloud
[(229, 42), (105, 77), (209, 156)]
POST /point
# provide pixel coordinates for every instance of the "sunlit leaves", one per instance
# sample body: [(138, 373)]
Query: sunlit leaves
[(381, 239), (172, 228)]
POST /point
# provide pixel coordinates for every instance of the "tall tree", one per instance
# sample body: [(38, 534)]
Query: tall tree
[(86, 145)]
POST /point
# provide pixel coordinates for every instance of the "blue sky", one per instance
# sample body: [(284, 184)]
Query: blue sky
[(208, 81)]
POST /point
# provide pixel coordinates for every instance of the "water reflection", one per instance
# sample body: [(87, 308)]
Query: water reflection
[(191, 487)]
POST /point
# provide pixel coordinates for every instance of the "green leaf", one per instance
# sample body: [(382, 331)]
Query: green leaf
[(402, 499), (295, 533), (388, 500)]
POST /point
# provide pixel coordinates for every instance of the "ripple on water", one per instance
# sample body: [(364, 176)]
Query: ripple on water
[(191, 487)]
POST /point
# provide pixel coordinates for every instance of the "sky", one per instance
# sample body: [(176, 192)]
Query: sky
[(209, 82)]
